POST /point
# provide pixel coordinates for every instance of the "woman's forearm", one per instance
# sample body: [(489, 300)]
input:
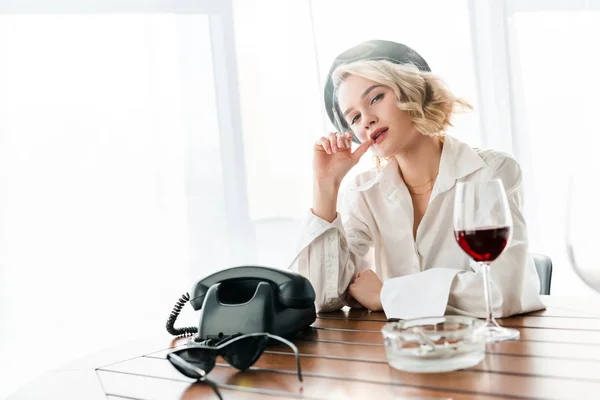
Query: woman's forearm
[(325, 195)]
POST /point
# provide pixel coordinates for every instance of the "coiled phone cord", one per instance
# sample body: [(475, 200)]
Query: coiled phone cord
[(186, 331)]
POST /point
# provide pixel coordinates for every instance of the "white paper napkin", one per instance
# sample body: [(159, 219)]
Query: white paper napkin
[(424, 294)]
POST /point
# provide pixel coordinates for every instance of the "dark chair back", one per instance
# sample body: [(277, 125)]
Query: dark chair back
[(543, 264)]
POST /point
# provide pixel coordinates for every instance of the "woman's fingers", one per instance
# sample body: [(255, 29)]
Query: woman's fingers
[(342, 143), (339, 141), (324, 142), (362, 149), (335, 142)]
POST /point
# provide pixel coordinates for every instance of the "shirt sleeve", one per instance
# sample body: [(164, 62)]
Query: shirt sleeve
[(513, 277), (331, 255)]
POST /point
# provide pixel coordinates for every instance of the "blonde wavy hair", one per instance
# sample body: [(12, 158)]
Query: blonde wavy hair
[(424, 96)]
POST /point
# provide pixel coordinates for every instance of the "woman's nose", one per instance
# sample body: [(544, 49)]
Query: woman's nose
[(369, 121)]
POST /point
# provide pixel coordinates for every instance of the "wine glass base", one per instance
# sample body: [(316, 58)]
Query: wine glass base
[(494, 333)]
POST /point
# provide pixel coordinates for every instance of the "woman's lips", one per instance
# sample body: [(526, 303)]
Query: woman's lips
[(380, 136)]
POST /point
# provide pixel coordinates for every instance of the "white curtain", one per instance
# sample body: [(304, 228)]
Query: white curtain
[(555, 63), (98, 113)]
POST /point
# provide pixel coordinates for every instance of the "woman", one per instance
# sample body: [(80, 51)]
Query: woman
[(392, 246)]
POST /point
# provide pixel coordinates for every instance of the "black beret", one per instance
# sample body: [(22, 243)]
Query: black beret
[(370, 50)]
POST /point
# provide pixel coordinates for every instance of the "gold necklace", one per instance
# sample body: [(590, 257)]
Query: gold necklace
[(416, 194), (417, 186)]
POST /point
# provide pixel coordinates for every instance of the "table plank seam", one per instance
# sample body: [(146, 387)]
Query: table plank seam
[(509, 326), (473, 369), (385, 362), (583, 360), (120, 396), (499, 319), (381, 345), (487, 352), (558, 342), (334, 377), (100, 382), (224, 385), (346, 329), (326, 376), (179, 346), (372, 344), (129, 359), (588, 313)]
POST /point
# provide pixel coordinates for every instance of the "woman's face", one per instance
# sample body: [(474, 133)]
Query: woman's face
[(370, 110)]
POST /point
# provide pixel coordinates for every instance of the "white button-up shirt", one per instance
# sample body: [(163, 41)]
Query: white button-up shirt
[(429, 275)]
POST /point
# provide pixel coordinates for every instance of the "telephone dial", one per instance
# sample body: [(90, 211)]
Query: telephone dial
[(248, 299)]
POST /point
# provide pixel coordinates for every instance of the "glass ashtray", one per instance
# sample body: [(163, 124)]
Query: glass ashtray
[(434, 344)]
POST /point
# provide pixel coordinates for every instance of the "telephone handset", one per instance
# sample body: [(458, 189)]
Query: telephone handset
[(249, 299)]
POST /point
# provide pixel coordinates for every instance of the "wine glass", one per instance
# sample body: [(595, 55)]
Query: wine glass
[(482, 228)]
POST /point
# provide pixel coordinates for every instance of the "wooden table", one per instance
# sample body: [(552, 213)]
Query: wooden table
[(342, 356)]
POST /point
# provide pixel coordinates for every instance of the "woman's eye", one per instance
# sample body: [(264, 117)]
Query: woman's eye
[(373, 101), (377, 98)]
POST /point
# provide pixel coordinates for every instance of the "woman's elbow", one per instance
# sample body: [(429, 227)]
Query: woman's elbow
[(518, 299), (328, 304)]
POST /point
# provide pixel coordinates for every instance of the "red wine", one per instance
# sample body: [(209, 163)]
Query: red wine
[(484, 244)]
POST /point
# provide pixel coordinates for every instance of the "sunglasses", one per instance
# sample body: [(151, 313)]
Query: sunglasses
[(239, 351)]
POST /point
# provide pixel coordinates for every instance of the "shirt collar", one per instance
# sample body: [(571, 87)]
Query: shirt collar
[(457, 161)]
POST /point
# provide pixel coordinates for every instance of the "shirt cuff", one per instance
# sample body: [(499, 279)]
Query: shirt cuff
[(315, 226), (424, 294)]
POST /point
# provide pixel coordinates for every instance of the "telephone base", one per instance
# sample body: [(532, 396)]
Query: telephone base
[(249, 306)]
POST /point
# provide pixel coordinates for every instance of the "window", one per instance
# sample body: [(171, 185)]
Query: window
[(556, 67), (98, 115)]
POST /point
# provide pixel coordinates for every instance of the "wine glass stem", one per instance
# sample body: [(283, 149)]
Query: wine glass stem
[(487, 288)]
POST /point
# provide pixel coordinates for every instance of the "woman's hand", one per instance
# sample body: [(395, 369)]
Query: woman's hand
[(366, 289), (333, 157)]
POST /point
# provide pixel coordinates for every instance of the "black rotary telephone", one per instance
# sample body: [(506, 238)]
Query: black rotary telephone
[(248, 299)]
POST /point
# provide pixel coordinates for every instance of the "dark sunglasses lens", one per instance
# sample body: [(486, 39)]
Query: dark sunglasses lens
[(244, 352), (183, 369), (200, 358)]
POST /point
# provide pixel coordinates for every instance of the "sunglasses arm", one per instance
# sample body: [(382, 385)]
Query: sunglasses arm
[(214, 387), (293, 347), (241, 337)]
